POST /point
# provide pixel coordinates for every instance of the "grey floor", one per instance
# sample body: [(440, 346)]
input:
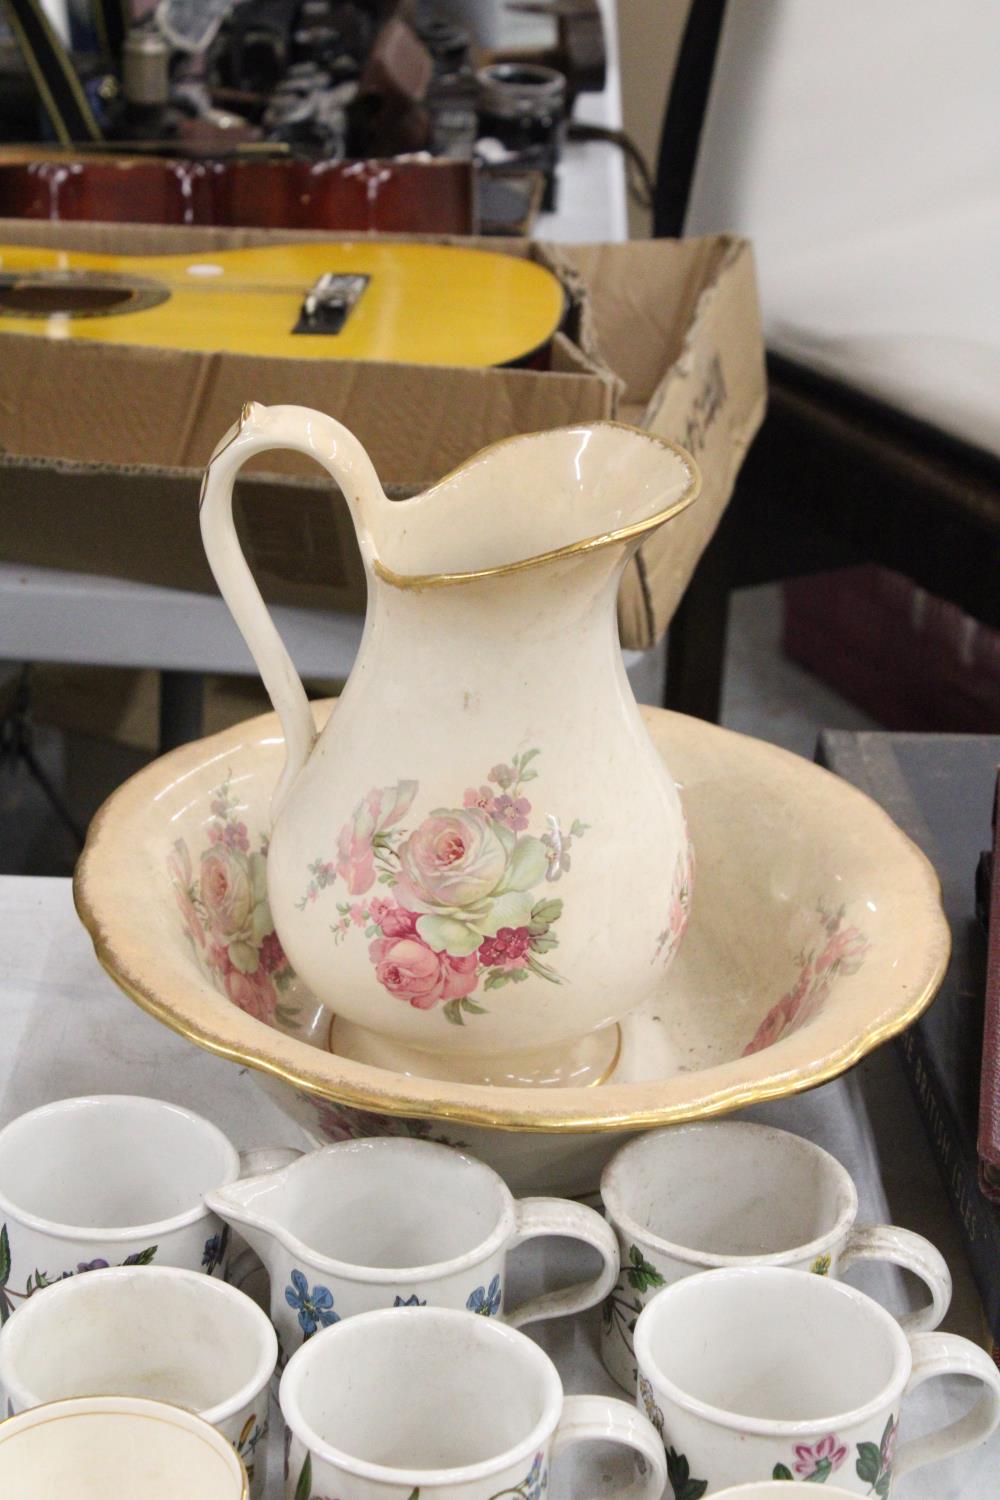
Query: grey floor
[(765, 695)]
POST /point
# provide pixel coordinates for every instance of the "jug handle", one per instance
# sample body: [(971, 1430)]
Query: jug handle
[(320, 437)]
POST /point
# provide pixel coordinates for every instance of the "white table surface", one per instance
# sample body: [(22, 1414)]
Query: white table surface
[(68, 1030)]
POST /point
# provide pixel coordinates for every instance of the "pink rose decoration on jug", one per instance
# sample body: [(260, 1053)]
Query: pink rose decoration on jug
[(453, 859), (465, 906), (364, 836), (411, 971)]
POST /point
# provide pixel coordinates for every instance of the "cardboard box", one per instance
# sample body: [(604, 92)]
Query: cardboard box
[(102, 447)]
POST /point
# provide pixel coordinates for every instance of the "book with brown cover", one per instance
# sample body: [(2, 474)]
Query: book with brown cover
[(989, 1087)]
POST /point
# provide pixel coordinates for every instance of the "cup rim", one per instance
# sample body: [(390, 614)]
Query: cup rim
[(756, 1487), (19, 1329), (355, 1271), (417, 1478), (689, 1286), (129, 1234), (136, 1406), (612, 1194)]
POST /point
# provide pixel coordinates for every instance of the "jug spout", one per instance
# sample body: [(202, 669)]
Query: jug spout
[(537, 499), (238, 1207)]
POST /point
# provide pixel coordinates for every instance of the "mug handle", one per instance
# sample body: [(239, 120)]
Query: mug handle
[(558, 1216), (319, 437), (901, 1247), (949, 1354), (603, 1418), (260, 1159)]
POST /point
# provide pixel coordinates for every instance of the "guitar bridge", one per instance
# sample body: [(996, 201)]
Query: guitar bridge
[(328, 304)]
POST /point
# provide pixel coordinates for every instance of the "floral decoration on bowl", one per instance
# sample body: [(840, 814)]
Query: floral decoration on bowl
[(226, 914), (843, 952)]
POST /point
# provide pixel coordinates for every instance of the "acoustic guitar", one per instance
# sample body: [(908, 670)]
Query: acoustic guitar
[(414, 303)]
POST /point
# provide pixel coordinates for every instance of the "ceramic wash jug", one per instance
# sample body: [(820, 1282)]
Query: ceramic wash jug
[(482, 864)]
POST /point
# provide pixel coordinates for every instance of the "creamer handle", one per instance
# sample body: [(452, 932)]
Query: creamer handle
[(259, 429)]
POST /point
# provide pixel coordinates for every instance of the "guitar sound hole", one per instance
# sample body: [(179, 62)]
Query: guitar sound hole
[(36, 300), (76, 294)]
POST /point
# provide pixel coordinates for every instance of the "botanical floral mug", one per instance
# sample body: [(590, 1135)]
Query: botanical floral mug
[(113, 1179), (386, 1222), (109, 1180), (151, 1331), (116, 1448), (729, 1193), (760, 1372), (435, 1405)]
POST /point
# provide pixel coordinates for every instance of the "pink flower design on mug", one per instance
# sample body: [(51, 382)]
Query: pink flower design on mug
[(819, 1460)]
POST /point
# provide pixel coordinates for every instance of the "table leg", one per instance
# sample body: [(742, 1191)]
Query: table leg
[(696, 643), (181, 702)]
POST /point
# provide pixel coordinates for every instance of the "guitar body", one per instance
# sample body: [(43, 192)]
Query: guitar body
[(413, 303)]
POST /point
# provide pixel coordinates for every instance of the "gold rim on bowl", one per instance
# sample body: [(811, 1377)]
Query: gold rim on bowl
[(799, 1061)]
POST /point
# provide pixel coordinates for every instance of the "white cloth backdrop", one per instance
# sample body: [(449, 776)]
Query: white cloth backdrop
[(857, 142)]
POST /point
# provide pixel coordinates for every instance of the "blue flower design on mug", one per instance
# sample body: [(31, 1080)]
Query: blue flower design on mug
[(315, 1308), (486, 1300), (214, 1252), (413, 1301), (533, 1487)]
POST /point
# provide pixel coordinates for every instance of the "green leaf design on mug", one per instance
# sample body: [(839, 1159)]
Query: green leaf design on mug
[(143, 1257), (782, 1471), (641, 1275), (6, 1306), (869, 1462), (679, 1475), (303, 1490), (874, 1463)]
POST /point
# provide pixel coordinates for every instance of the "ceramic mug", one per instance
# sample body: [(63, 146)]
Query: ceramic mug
[(386, 1222), (152, 1331), (729, 1193), (760, 1372), (113, 1179), (417, 1404), (116, 1448)]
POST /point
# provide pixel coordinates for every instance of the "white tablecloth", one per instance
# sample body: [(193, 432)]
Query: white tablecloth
[(68, 1030)]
